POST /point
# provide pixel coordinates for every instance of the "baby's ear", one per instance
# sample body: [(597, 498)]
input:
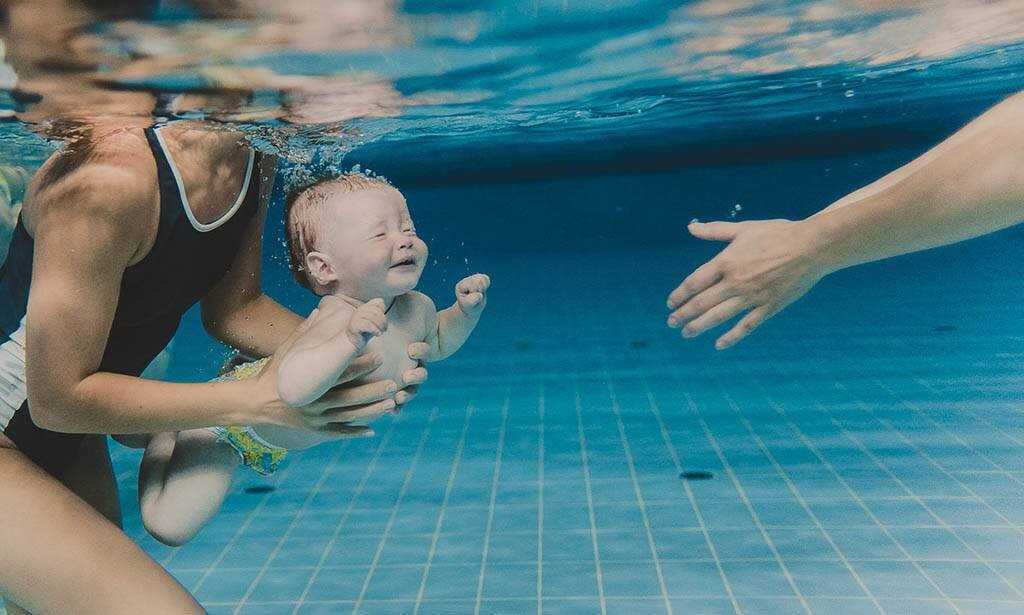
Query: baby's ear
[(320, 270)]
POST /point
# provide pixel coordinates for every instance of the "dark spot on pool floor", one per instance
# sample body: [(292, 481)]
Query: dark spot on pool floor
[(260, 489), (696, 475), (522, 344), (638, 344), (944, 328)]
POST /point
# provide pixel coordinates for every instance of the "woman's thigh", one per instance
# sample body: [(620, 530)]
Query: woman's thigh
[(58, 555), (91, 477)]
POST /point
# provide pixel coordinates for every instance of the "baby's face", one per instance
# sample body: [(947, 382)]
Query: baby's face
[(372, 244)]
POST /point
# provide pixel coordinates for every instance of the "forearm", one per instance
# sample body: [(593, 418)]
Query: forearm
[(307, 373), (113, 403), (970, 185), (256, 328), (453, 329)]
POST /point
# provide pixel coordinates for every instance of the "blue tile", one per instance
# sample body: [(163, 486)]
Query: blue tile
[(894, 580), (756, 579), (635, 607), (510, 581), (967, 580), (702, 606), (569, 580), (638, 579), (394, 583), (623, 545), (824, 578), (685, 579), (570, 546), (280, 585), (452, 582), (337, 584), (225, 585)]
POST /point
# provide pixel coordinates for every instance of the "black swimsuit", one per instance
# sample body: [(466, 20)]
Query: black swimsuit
[(187, 259)]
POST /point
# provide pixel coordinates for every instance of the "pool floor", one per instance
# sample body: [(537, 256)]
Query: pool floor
[(864, 453)]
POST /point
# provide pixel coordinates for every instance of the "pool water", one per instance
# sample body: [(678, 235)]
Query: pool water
[(863, 452)]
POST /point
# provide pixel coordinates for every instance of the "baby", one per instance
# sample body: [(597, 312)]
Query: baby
[(352, 241)]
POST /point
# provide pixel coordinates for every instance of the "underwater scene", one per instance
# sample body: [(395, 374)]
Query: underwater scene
[(855, 449)]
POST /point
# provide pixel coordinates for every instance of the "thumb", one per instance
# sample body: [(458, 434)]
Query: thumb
[(377, 302)]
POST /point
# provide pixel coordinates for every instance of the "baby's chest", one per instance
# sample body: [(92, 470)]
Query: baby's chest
[(393, 346)]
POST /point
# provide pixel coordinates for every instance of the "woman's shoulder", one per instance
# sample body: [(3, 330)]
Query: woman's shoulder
[(112, 176)]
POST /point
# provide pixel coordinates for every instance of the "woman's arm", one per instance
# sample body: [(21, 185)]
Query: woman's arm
[(86, 233), (236, 311), (969, 185)]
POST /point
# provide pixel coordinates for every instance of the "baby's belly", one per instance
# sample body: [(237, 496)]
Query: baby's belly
[(393, 346)]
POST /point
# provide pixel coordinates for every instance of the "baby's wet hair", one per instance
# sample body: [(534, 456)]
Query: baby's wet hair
[(303, 209)]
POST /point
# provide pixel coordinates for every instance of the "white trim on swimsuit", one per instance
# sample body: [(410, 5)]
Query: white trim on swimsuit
[(196, 224), (12, 375)]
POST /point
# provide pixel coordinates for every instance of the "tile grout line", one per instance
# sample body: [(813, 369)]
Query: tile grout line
[(499, 452), (324, 475), (584, 457), (753, 514), (394, 509), (677, 462), (814, 517), (541, 407), (444, 504), (817, 403), (631, 466), (370, 466)]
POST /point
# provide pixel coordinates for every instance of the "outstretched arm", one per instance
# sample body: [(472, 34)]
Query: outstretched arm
[(969, 185), (456, 323)]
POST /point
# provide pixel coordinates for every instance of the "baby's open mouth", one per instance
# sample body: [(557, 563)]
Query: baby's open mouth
[(405, 262)]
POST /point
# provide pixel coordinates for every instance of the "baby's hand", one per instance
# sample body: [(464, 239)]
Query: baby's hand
[(367, 322), (471, 294)]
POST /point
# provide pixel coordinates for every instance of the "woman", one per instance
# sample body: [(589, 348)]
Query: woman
[(969, 185), (119, 235)]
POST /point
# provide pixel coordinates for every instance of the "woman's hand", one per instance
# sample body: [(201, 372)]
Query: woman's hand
[(767, 265), (341, 405)]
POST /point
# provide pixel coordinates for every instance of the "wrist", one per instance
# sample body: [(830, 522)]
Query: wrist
[(248, 403), (473, 316), (817, 241)]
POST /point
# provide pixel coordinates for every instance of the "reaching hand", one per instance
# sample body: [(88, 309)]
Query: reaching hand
[(367, 322), (767, 265), (471, 294)]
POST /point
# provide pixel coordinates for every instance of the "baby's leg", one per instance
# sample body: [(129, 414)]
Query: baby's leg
[(291, 439), (182, 483)]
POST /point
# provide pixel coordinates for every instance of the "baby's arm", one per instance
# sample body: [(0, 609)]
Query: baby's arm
[(456, 323), (182, 482), (316, 361)]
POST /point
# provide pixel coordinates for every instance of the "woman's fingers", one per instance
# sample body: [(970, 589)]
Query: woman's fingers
[(345, 430), (365, 412), (700, 304), (360, 366), (714, 317), (748, 323), (405, 396), (703, 278), (343, 397), (418, 351), (416, 375)]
